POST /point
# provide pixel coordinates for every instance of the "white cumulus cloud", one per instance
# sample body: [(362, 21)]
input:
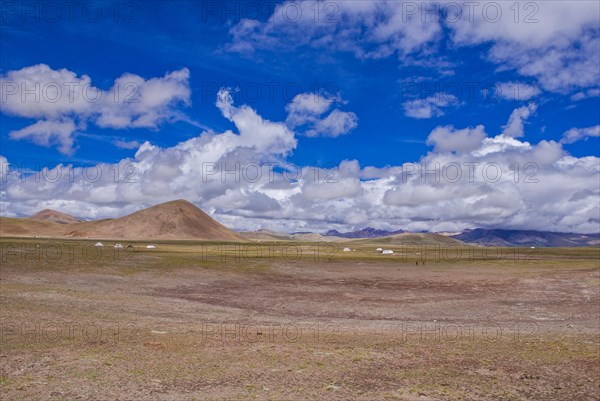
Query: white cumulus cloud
[(578, 134), (63, 102), (431, 106), (312, 115)]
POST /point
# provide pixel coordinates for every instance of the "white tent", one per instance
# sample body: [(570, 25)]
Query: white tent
[(99, 244), (150, 247), (118, 245), (347, 249), (387, 252)]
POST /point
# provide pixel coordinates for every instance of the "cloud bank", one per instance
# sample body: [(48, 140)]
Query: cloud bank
[(469, 179)]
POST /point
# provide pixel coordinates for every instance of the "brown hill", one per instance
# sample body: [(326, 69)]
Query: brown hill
[(57, 217), (265, 235), (14, 227), (171, 220), (268, 235)]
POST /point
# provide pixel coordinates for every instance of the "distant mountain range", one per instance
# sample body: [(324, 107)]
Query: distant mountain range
[(182, 220), (498, 237), (368, 232), (492, 237)]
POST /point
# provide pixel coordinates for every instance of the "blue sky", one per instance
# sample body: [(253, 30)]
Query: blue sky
[(393, 73)]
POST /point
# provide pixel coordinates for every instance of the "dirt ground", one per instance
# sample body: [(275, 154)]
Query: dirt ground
[(171, 325)]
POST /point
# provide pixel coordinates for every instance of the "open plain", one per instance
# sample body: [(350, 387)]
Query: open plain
[(208, 320)]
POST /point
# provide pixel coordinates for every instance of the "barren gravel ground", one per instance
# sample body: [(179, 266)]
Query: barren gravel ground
[(173, 325)]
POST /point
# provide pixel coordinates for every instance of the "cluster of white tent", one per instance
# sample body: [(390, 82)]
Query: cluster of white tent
[(120, 246), (379, 250)]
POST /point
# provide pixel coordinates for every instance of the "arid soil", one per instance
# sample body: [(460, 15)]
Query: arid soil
[(162, 327)]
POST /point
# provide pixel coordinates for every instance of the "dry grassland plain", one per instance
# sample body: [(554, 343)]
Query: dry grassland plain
[(297, 321)]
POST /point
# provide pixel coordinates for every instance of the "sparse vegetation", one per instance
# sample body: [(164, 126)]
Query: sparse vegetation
[(197, 320)]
